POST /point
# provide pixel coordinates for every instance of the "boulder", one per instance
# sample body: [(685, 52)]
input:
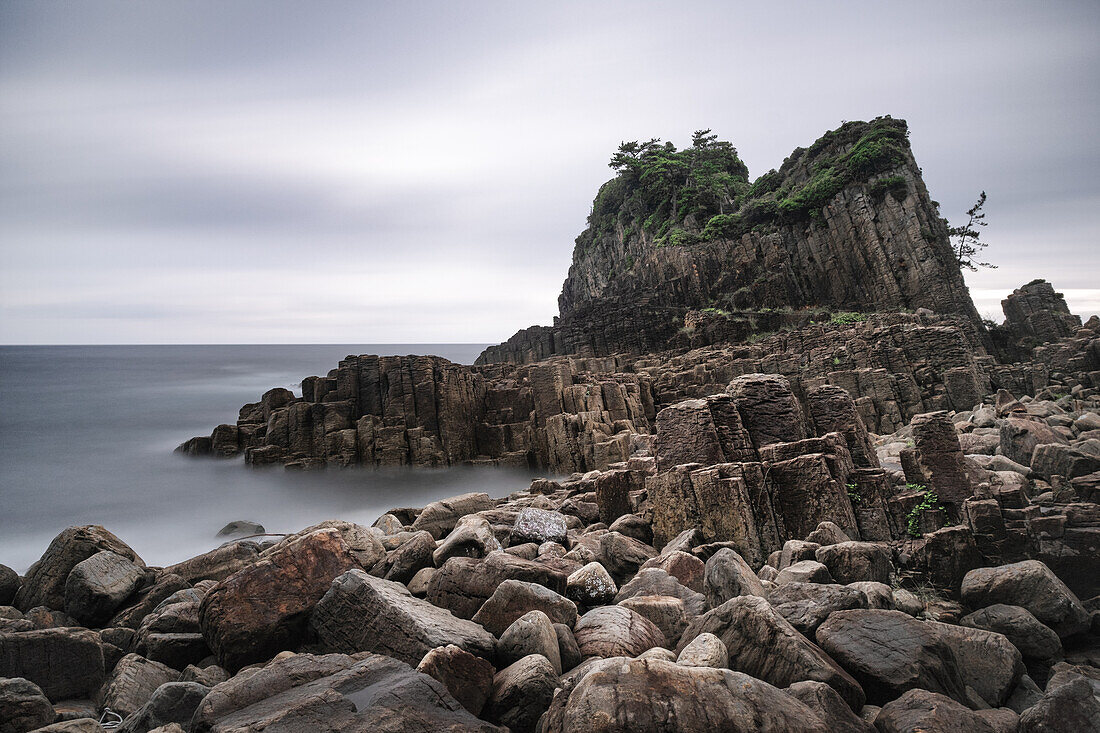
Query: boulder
[(538, 526), (219, 563), (683, 566), (96, 587), (1020, 435), (634, 526), (132, 682), (768, 408), (463, 584), (890, 652), (666, 612), (364, 544), (1031, 585), (171, 703), (440, 517), (656, 582), (1055, 459), (1072, 706), (923, 711), (23, 706), (1034, 640), (9, 585), (363, 613), (807, 605), (851, 562), (939, 461), (705, 650), (147, 599), (622, 555), (568, 650), (472, 537), (796, 551), (763, 644), (614, 631), (44, 584), (514, 598), (988, 662), (829, 706), (727, 575), (407, 559), (879, 595), (591, 585), (171, 633), (522, 691), (264, 608), (804, 571), (655, 696), (469, 678), (368, 693), (65, 663), (532, 633), (828, 533)]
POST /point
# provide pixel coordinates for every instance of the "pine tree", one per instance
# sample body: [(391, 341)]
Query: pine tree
[(966, 240)]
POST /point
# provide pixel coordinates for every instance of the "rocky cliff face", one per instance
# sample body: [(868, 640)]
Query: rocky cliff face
[(846, 224)]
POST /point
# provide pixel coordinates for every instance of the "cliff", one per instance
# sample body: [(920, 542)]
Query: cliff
[(846, 224)]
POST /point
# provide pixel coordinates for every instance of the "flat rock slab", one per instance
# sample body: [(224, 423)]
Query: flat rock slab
[(65, 663), (364, 613)]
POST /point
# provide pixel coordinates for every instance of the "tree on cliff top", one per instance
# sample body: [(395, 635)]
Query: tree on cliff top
[(966, 240)]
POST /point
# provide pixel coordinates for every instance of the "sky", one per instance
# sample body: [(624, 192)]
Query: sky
[(366, 172)]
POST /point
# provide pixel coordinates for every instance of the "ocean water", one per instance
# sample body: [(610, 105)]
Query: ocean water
[(87, 436)]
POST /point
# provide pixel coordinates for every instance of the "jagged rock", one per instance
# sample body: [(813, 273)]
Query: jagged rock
[(890, 652), (48, 618), (704, 431), (369, 693), (612, 495), (532, 633), (410, 557), (726, 576), (683, 566), (388, 524), (1063, 460), (1027, 633), (763, 644), (650, 696), (832, 410), (171, 633), (23, 707), (635, 527), (64, 663), (206, 676), (922, 710), (463, 584), (96, 587), (852, 562), (472, 537), (514, 598), (1037, 313), (44, 584), (1020, 435), (613, 631), (263, 609), (521, 693), (132, 682), (440, 517), (1031, 585), (218, 564), (363, 544), (171, 703), (988, 662), (943, 557), (591, 585), (705, 650), (827, 533), (768, 408), (804, 571), (939, 466), (9, 585), (656, 582), (363, 613), (829, 706), (797, 551), (1070, 706), (539, 525), (241, 527), (147, 599), (469, 678), (668, 613), (807, 605)]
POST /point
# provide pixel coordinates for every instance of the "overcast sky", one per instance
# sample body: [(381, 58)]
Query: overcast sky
[(363, 172)]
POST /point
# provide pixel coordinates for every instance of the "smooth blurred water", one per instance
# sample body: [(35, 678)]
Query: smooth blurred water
[(87, 433)]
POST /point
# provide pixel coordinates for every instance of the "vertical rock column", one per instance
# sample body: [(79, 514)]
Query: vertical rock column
[(937, 460)]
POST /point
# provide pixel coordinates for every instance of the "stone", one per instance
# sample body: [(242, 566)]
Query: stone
[(469, 678), (1066, 461), (908, 602), (829, 706), (668, 613), (879, 595), (1020, 435), (852, 562), (804, 571), (614, 631), (1072, 706), (940, 465), (9, 585), (132, 682), (683, 566), (514, 598), (87, 725), (364, 545), (924, 711), (591, 585), (568, 650), (1028, 634), (796, 551), (522, 691), (763, 644), (890, 652), (656, 582), (653, 696), (463, 584), (828, 533), (988, 662), (146, 599), (768, 408), (44, 584), (65, 663), (622, 555), (409, 558), (96, 587), (219, 563), (239, 527), (472, 537), (532, 633), (264, 608), (23, 707), (171, 703), (807, 605), (538, 526), (1031, 585), (612, 495), (726, 576), (440, 517), (832, 410), (705, 650), (368, 693), (363, 613)]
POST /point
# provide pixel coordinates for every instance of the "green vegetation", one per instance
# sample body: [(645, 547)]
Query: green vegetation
[(848, 317), (930, 502), (853, 494), (716, 312), (894, 185)]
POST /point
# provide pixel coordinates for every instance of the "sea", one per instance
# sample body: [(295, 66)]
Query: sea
[(87, 436)]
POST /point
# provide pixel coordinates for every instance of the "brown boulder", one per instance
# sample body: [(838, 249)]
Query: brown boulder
[(44, 584), (469, 678), (613, 631)]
